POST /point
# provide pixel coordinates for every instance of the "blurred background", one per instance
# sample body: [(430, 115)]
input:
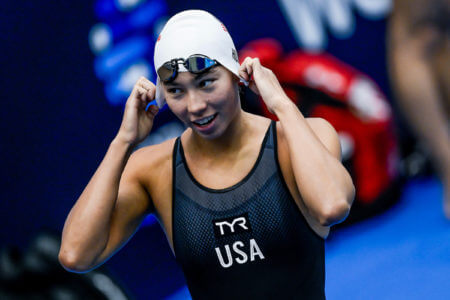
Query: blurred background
[(375, 69)]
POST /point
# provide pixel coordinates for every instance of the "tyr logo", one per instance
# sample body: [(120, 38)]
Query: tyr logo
[(231, 225)]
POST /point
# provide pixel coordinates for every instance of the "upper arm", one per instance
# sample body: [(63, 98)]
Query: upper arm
[(132, 205), (327, 135), (329, 138), (288, 176)]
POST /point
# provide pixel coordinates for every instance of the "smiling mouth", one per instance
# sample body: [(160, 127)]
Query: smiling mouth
[(205, 121)]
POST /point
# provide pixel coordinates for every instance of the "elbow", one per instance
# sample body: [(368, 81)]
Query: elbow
[(72, 263), (336, 212)]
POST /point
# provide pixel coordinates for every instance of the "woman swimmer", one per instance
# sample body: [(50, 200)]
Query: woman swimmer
[(246, 203)]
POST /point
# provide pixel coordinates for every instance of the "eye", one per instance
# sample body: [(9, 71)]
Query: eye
[(205, 83), (174, 91)]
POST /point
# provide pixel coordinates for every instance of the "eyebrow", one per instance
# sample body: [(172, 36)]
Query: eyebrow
[(210, 71), (171, 84), (196, 77)]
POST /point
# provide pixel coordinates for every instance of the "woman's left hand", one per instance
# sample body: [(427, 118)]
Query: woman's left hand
[(263, 83)]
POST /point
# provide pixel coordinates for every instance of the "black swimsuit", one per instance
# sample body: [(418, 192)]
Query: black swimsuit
[(248, 241)]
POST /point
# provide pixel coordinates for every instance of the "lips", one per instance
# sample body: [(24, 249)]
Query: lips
[(205, 121)]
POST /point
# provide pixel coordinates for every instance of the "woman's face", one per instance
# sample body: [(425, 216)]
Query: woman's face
[(206, 102)]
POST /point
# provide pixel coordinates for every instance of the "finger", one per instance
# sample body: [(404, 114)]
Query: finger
[(243, 70), (142, 94), (148, 85), (244, 75), (141, 91), (249, 68), (151, 93), (257, 67), (248, 60), (142, 79)]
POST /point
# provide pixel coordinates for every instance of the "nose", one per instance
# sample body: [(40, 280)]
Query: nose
[(196, 104)]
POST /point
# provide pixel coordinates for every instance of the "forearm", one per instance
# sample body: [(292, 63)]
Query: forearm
[(324, 184), (86, 231)]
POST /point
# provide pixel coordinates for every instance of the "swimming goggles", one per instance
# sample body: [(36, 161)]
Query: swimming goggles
[(195, 64)]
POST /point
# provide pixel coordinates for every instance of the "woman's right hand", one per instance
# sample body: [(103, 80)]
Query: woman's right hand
[(137, 122)]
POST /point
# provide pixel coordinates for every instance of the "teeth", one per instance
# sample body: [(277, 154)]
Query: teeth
[(205, 120)]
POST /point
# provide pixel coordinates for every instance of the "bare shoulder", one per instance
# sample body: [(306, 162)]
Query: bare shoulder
[(323, 130), (154, 154), (320, 125), (150, 162)]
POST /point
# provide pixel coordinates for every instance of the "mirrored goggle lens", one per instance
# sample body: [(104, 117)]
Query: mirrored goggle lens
[(166, 72), (194, 64), (198, 64)]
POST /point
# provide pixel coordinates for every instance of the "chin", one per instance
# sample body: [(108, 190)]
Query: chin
[(215, 133), (210, 136)]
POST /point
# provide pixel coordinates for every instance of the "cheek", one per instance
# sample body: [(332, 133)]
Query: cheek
[(177, 108), (227, 96)]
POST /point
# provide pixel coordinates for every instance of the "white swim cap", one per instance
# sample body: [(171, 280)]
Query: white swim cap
[(194, 32)]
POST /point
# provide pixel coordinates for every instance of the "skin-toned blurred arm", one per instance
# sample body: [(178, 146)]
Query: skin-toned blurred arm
[(325, 186), (419, 84)]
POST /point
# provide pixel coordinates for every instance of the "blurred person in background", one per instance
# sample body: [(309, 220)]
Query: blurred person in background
[(419, 60)]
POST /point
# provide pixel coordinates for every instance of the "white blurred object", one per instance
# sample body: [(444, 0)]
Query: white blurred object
[(347, 144), (308, 18), (127, 5), (340, 19), (368, 101), (131, 75), (318, 77), (304, 18), (100, 38), (107, 286), (374, 9)]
